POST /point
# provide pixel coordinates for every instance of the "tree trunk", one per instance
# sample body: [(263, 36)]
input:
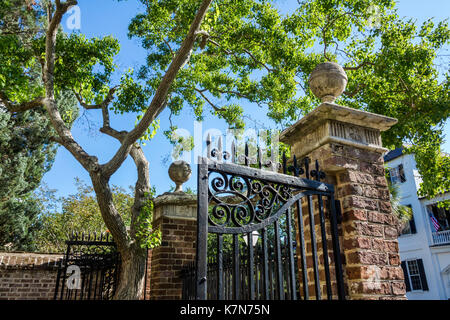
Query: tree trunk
[(133, 257), (132, 275)]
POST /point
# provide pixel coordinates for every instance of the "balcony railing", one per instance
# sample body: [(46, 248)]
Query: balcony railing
[(441, 237)]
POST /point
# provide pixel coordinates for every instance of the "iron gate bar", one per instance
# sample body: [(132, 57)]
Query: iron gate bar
[(335, 213), (324, 248), (314, 247), (319, 175), (64, 276), (302, 248), (220, 267), (250, 266), (202, 230), (278, 256), (236, 261), (265, 264), (291, 255)]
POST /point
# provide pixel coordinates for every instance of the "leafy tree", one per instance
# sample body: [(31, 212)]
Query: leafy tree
[(84, 66), (19, 223), (79, 213), (26, 149), (249, 51)]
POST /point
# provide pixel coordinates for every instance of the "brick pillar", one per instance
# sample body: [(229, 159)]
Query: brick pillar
[(175, 214), (347, 143)]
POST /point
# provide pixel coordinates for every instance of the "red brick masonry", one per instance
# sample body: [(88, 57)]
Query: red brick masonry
[(28, 276)]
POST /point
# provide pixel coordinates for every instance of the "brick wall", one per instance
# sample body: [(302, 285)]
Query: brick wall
[(148, 275), (28, 276), (319, 247), (369, 235), (176, 251)]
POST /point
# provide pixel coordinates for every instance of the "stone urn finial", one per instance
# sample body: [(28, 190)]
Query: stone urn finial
[(327, 81), (180, 172)]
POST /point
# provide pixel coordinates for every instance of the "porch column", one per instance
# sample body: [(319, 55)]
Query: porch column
[(347, 144), (175, 213)]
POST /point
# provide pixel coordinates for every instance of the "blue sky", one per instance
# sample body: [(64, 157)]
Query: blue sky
[(106, 17)]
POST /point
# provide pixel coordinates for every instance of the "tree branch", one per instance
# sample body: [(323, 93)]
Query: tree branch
[(106, 128), (142, 186), (170, 48), (237, 56), (90, 163), (38, 102), (216, 108), (104, 103), (365, 63), (159, 99), (356, 91)]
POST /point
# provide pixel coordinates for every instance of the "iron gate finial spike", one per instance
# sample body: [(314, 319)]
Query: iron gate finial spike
[(259, 157), (246, 154), (219, 149), (274, 159), (208, 146), (233, 151), (306, 161)]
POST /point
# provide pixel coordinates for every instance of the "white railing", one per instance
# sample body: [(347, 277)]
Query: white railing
[(441, 237)]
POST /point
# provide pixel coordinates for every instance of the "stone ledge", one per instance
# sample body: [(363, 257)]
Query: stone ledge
[(26, 261), (175, 205), (331, 111), (330, 123), (176, 198)]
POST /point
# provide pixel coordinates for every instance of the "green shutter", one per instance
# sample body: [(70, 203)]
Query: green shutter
[(401, 173), (405, 272), (423, 278)]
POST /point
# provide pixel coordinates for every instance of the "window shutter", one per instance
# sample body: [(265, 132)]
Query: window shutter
[(412, 224), (405, 272), (423, 278), (401, 173)]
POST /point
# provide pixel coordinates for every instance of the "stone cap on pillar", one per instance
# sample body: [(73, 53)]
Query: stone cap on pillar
[(175, 205), (330, 122)]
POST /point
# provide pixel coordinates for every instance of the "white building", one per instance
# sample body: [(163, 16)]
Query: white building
[(424, 251)]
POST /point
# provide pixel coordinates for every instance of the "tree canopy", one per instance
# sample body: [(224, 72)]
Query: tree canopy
[(26, 149), (77, 212), (249, 51)]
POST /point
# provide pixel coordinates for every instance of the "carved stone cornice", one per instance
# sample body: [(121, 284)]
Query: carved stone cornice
[(332, 123), (175, 205)]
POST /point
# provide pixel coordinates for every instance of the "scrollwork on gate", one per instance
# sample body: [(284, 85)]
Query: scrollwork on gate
[(237, 201)]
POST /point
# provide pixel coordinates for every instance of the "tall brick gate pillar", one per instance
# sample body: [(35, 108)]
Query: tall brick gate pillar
[(175, 214), (347, 143)]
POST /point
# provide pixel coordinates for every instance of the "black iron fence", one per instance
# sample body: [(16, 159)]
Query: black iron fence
[(274, 293), (89, 269)]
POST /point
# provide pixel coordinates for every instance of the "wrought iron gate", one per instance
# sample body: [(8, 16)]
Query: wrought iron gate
[(290, 219), (89, 269)]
